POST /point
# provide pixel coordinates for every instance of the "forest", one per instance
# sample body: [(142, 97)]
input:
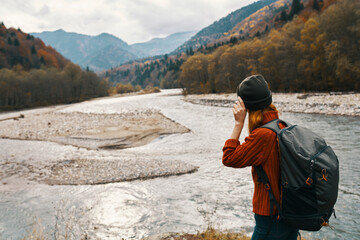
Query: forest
[(320, 53), (21, 88), (32, 74)]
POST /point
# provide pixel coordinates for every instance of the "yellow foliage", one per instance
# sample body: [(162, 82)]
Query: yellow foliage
[(210, 234), (124, 88), (318, 55)]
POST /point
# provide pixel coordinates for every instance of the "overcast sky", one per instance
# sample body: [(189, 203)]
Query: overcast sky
[(131, 20)]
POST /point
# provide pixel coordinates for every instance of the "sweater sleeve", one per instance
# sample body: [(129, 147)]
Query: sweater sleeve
[(252, 152)]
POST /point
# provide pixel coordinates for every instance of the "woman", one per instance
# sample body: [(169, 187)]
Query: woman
[(259, 148)]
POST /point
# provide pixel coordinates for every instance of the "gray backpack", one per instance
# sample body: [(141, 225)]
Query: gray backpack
[(309, 177)]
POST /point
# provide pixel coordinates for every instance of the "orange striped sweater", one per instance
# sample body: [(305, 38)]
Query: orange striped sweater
[(259, 148)]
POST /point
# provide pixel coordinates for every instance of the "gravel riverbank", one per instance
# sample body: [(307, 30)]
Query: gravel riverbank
[(92, 131), (89, 132), (318, 103)]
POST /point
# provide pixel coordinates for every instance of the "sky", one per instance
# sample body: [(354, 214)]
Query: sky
[(131, 20)]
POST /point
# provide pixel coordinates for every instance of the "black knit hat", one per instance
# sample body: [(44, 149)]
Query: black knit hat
[(255, 93)]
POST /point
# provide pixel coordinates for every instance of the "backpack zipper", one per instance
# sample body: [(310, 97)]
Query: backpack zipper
[(309, 181)]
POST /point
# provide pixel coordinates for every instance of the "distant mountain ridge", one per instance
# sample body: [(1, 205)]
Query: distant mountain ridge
[(109, 56), (87, 50), (158, 46), (220, 28), (79, 47)]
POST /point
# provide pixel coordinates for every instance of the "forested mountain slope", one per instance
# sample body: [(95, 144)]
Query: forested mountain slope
[(19, 48), (297, 45), (33, 74)]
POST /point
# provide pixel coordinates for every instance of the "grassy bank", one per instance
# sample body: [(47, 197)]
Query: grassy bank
[(208, 234)]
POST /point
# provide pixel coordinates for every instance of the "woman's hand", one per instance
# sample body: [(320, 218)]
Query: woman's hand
[(239, 112)]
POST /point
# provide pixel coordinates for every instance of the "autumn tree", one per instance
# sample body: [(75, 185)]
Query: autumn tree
[(194, 76), (341, 24), (271, 59)]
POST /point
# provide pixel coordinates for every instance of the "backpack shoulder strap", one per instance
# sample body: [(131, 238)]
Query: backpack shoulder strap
[(274, 125), (263, 178)]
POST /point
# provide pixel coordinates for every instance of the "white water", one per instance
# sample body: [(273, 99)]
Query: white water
[(186, 203)]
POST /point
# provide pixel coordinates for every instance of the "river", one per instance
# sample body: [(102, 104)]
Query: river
[(214, 195)]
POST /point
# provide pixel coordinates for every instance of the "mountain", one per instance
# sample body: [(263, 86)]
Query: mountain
[(105, 51), (19, 48), (82, 49), (158, 46), (108, 57), (222, 26)]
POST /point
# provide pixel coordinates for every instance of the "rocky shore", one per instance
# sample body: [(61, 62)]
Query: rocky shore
[(317, 103), (91, 131), (107, 133)]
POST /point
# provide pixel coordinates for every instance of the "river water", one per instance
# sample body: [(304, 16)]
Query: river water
[(214, 195)]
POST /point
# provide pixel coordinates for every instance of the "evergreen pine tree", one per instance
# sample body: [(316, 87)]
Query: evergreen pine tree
[(16, 42), (33, 50), (233, 40), (296, 7), (283, 16), (191, 51), (316, 5)]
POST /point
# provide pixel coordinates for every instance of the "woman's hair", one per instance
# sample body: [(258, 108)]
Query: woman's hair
[(256, 117)]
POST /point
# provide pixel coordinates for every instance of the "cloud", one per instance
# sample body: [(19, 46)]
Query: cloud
[(130, 20), (45, 10)]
